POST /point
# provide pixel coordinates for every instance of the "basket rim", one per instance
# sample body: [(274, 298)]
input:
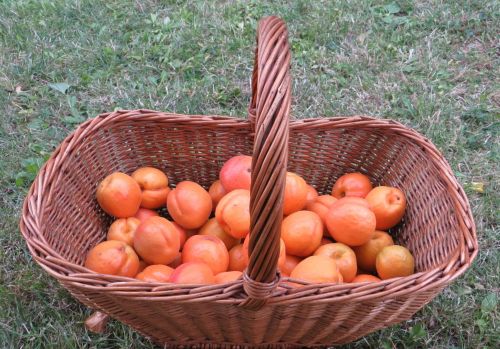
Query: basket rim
[(76, 275)]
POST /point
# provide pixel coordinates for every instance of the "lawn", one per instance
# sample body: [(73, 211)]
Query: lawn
[(433, 65)]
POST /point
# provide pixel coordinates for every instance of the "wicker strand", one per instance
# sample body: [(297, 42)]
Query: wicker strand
[(272, 97)]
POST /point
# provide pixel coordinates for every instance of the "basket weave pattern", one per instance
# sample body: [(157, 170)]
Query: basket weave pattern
[(61, 219)]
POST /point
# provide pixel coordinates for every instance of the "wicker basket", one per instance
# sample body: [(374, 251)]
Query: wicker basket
[(61, 220)]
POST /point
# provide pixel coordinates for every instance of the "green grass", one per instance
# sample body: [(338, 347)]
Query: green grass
[(432, 65)]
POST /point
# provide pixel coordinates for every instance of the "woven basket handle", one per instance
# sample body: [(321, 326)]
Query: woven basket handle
[(269, 112)]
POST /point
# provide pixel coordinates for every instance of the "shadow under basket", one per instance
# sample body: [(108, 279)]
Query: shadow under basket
[(61, 221)]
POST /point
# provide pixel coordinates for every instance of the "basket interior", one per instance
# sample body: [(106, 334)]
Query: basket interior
[(73, 222)]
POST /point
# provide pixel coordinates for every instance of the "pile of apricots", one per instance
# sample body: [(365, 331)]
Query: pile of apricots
[(190, 235)]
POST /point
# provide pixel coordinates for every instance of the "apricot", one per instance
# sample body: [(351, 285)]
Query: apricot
[(154, 186), (123, 229), (114, 258), (237, 259), (227, 276), (212, 227), (155, 273), (302, 232), (206, 249), (119, 195), (192, 273), (296, 190), (189, 205), (317, 269), (216, 192), (144, 213), (157, 241), (236, 173), (233, 213)]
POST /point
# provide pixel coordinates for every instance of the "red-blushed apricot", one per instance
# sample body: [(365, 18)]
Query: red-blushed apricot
[(311, 193), (227, 276), (156, 273), (206, 249), (144, 213), (154, 186), (388, 204), (233, 213), (123, 229), (189, 205), (114, 258), (317, 269), (212, 227), (290, 264), (365, 278), (302, 232), (237, 259), (236, 173), (350, 223), (157, 241), (320, 205), (296, 190), (193, 273), (352, 184), (344, 257), (119, 195)]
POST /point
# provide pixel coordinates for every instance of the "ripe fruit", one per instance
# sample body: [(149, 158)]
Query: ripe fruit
[(206, 249), (281, 258), (123, 229), (352, 184), (311, 193), (296, 190), (119, 195), (233, 213), (212, 227), (317, 269), (227, 276), (394, 261), (114, 258), (302, 232), (192, 273), (365, 278), (237, 260), (144, 213), (154, 186), (157, 241), (320, 206), (344, 257), (366, 254), (388, 204), (351, 224), (236, 173), (216, 192), (155, 273), (350, 200), (290, 264), (189, 205)]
